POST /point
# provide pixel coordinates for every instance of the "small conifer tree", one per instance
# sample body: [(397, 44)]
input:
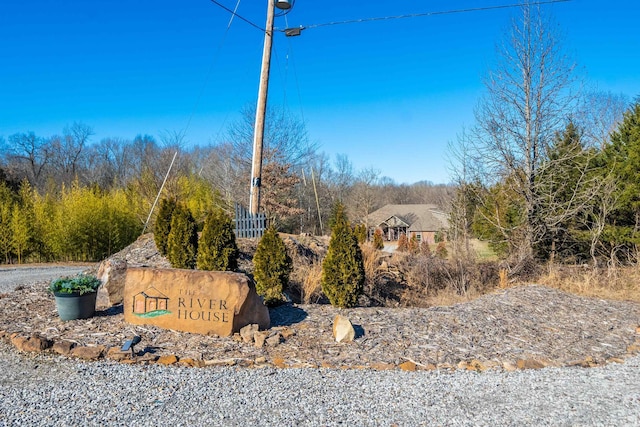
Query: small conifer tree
[(218, 249), (360, 231), (403, 243), (163, 224), (378, 242), (414, 245), (182, 242), (343, 267), (425, 250), (272, 267)]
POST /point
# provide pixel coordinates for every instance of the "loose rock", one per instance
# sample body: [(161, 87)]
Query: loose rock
[(343, 329)]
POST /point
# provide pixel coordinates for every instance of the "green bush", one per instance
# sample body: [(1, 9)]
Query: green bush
[(343, 267), (82, 224), (163, 224), (272, 267), (182, 242), (81, 284), (218, 250)]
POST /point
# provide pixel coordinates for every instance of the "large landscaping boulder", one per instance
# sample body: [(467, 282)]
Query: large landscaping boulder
[(111, 273), (204, 302)]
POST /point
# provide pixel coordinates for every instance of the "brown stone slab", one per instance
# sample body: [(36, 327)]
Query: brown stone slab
[(203, 302)]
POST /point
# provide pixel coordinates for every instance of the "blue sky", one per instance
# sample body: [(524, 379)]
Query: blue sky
[(389, 94)]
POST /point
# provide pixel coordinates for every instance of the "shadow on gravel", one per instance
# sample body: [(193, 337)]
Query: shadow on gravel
[(111, 311), (286, 315), (359, 330)]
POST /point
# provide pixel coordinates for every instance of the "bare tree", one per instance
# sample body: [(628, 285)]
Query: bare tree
[(67, 153), (285, 141), (285, 144), (341, 177), (599, 115), (363, 198), (28, 156), (527, 101)]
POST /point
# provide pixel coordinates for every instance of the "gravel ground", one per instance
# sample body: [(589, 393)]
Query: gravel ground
[(10, 277), (50, 390)]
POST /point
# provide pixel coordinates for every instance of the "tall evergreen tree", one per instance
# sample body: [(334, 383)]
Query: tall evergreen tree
[(218, 250), (163, 224), (343, 267), (182, 242), (272, 267), (622, 157), (567, 185)]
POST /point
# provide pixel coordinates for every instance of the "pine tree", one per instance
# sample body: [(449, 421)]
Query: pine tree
[(378, 242), (360, 231), (182, 242), (272, 266), (414, 245), (343, 267), (441, 250), (218, 250), (163, 224)]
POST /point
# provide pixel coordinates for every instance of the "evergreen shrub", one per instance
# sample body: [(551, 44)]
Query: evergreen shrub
[(378, 242), (163, 224), (218, 249), (272, 267), (403, 243), (182, 242), (343, 267)]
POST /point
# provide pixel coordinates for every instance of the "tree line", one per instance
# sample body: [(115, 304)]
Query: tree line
[(55, 186)]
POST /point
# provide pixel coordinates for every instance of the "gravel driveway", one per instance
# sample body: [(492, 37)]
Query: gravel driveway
[(10, 277), (44, 389), (49, 390)]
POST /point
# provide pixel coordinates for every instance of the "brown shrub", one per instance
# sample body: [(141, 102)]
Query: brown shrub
[(432, 280), (622, 283)]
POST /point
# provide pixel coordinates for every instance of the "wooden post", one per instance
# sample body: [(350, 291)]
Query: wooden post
[(261, 109)]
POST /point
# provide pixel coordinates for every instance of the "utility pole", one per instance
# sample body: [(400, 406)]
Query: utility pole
[(261, 109)]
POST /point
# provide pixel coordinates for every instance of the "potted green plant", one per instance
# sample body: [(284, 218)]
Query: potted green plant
[(75, 296)]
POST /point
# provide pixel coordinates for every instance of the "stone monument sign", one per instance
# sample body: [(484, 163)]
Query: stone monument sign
[(203, 302)]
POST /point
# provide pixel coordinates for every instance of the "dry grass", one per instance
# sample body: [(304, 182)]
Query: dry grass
[(311, 289), (621, 283), (372, 258)]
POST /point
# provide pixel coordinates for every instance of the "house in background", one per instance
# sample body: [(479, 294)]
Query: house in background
[(421, 221)]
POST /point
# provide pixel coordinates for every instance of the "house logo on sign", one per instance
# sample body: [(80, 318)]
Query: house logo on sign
[(150, 303)]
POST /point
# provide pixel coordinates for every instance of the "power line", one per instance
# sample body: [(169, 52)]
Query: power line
[(233, 12), (416, 15)]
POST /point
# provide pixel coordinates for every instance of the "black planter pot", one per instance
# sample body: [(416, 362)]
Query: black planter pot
[(75, 306)]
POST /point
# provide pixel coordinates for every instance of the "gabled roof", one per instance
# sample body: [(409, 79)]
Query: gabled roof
[(152, 293), (416, 217), (395, 221)]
